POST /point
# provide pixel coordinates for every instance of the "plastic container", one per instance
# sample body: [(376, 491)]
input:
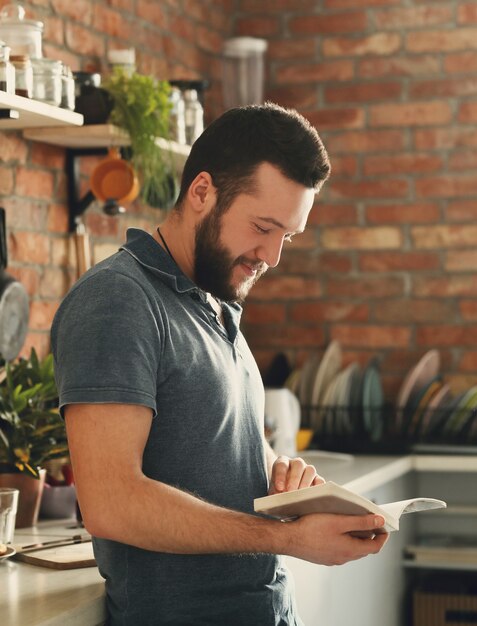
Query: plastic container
[(23, 75), (243, 71), (7, 70), (194, 116), (47, 80), (22, 35)]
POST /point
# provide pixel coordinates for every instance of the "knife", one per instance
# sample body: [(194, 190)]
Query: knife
[(67, 541)]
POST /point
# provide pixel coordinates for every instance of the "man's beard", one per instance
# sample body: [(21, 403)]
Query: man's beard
[(214, 265)]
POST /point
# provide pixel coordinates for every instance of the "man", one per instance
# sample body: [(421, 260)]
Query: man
[(164, 403)]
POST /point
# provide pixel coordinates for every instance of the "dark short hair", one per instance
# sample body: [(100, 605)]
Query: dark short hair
[(236, 143)]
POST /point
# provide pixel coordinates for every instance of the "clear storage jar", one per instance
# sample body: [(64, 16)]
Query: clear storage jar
[(67, 89), (7, 71), (47, 80), (22, 35), (23, 75)]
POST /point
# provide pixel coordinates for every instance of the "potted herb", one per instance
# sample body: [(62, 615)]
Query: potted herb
[(31, 430), (142, 108)]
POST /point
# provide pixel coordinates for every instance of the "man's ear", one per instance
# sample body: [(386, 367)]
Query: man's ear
[(202, 193)]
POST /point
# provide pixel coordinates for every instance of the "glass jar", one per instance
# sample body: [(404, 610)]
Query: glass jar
[(194, 116), (47, 80), (23, 36), (7, 71), (67, 89), (23, 75), (177, 116)]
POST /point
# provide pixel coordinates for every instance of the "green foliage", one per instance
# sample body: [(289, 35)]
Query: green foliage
[(31, 429), (142, 108)]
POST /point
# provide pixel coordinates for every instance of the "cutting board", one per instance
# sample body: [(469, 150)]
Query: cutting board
[(63, 557)]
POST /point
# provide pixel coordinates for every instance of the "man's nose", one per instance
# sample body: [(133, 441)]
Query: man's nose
[(271, 251)]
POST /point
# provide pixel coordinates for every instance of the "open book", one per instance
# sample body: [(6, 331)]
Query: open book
[(332, 498)]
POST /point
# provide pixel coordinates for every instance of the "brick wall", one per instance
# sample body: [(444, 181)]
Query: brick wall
[(387, 265), (173, 40)]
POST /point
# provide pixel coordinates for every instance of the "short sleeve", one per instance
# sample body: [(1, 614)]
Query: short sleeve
[(106, 343)]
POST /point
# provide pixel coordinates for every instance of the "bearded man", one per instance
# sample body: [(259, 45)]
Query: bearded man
[(164, 403)]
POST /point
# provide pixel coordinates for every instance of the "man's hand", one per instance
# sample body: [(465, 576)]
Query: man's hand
[(290, 474)]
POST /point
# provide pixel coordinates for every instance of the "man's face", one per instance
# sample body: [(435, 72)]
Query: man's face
[(234, 249)]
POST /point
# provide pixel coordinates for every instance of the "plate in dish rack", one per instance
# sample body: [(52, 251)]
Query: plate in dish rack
[(9, 552)]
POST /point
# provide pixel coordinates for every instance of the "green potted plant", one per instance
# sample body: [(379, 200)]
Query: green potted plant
[(31, 430), (141, 106)]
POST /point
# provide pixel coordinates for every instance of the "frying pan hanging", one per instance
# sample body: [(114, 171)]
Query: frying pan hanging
[(14, 306)]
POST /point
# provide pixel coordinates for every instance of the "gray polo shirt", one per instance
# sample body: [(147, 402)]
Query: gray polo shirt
[(136, 330)]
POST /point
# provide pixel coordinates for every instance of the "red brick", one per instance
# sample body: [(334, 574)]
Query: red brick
[(58, 219), (404, 360), (337, 118), (29, 278), (405, 311), (467, 13), (83, 41), (410, 114), (291, 48), (409, 213), (25, 214), (111, 22), (256, 313), (153, 12), (442, 40), (398, 261), (307, 265), (444, 88), (413, 17), (258, 26), (461, 63), (445, 287), (38, 340), (79, 11), (446, 186), (34, 183), (372, 336), (350, 22), (346, 165), (329, 312), (366, 141), (41, 314), (366, 287), (363, 92), (444, 236), (468, 112), (183, 28), (376, 67), (445, 335), (44, 155), (300, 97), (389, 188), (468, 310), (6, 180), (379, 43), (463, 161), (411, 162), (351, 4), (285, 288), (28, 247), (209, 40), (445, 138), (284, 336), (54, 31), (468, 362), (333, 214), (55, 282), (275, 6), (461, 211), (13, 149), (360, 238), (461, 261), (314, 72)]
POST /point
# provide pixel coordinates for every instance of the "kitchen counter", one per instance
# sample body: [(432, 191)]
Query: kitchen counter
[(37, 596)]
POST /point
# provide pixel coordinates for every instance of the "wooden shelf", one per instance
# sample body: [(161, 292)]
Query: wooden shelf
[(101, 136), (32, 114)]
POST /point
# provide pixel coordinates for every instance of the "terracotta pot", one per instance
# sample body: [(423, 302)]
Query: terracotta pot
[(29, 500)]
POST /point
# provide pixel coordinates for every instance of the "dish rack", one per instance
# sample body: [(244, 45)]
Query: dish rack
[(389, 429)]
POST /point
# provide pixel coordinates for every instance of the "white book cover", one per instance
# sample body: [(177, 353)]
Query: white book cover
[(332, 498)]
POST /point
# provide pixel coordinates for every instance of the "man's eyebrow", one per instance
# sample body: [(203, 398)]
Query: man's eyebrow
[(272, 220)]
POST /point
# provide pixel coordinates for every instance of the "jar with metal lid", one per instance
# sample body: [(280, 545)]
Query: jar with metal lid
[(47, 80), (7, 71), (22, 35), (23, 75), (67, 89)]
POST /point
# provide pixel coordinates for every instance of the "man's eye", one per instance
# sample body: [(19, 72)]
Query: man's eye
[(261, 230)]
